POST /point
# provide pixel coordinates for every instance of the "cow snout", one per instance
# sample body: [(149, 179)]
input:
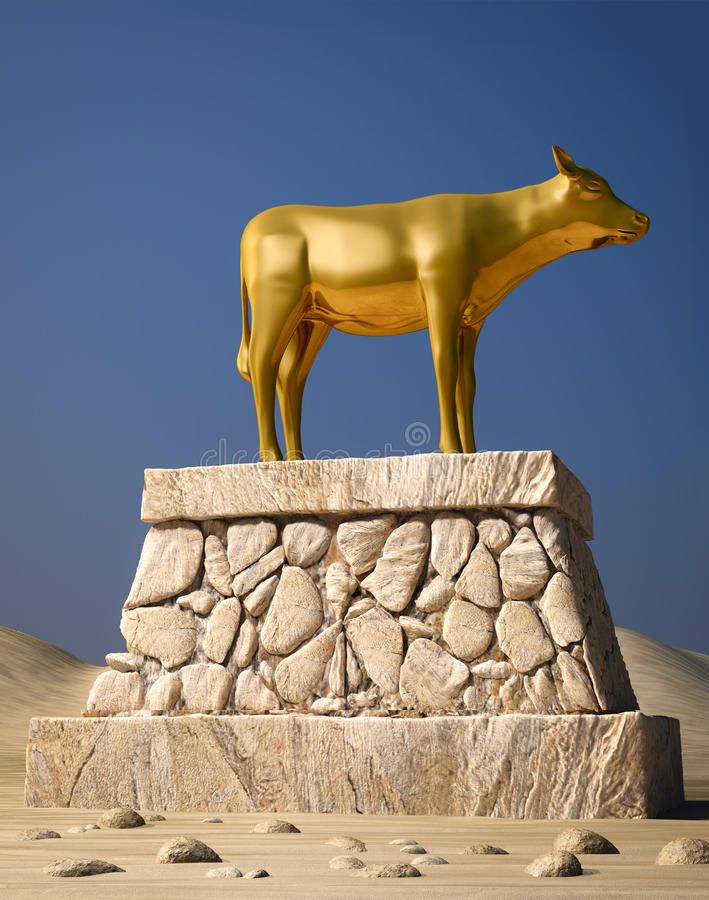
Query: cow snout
[(642, 220)]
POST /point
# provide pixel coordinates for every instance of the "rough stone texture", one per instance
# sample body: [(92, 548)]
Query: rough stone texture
[(346, 862), (38, 834), (165, 633), (186, 850), (225, 872), (484, 850), (399, 568), (378, 641), (295, 612), (252, 695), (339, 587), (524, 566), (522, 636), (520, 478), (249, 578), (221, 629), (576, 685), (390, 870), (248, 540), (467, 630), (562, 609), (431, 678), (429, 860), (164, 693), (122, 817), (552, 531), (114, 692), (298, 675), (200, 602), (246, 644), (361, 541), (491, 668), (216, 565), (452, 539), (435, 594), (684, 852), (275, 826), (169, 562), (121, 662), (257, 601), (558, 864), (415, 628), (79, 868), (205, 687), (496, 534), (479, 580), (541, 690), (345, 842), (305, 542), (337, 680), (257, 873), (580, 840)]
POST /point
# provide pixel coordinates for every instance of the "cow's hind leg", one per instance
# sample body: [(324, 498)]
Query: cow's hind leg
[(465, 391), (293, 371), (276, 310)]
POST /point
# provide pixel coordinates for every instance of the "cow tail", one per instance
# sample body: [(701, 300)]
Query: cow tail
[(242, 359)]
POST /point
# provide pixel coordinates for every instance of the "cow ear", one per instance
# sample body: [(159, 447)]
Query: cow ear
[(565, 163)]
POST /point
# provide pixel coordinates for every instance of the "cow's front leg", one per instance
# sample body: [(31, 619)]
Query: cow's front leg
[(465, 394), (443, 310)]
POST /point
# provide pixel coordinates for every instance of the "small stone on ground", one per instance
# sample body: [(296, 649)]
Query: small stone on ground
[(484, 850), (392, 870), (412, 848), (431, 861), (346, 862), (156, 817), (275, 826), (257, 873), (186, 850), (347, 843), (92, 826), (37, 834), (684, 852), (226, 872), (79, 868), (558, 864), (579, 840), (123, 817), (214, 820)]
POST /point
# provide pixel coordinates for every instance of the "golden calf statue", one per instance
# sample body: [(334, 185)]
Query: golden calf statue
[(442, 262)]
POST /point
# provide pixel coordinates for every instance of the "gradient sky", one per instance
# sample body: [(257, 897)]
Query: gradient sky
[(139, 138)]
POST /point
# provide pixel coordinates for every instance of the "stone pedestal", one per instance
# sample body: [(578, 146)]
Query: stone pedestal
[(349, 601)]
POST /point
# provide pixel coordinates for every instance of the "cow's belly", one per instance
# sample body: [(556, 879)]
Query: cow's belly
[(378, 309)]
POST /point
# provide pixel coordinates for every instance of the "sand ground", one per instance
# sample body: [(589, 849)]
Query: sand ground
[(38, 679)]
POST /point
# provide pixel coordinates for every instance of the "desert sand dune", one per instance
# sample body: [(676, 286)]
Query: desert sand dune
[(37, 678)]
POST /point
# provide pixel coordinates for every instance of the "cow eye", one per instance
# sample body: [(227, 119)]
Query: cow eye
[(593, 186)]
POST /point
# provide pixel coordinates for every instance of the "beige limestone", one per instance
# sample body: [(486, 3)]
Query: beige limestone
[(295, 612), (221, 629), (216, 565), (205, 687), (452, 539), (169, 562), (114, 692), (435, 594), (618, 765), (431, 678), (361, 541), (246, 643), (467, 629), (399, 568), (552, 531), (492, 668), (337, 678), (164, 693), (524, 566), (298, 675), (576, 685), (248, 540), (165, 633), (200, 602), (561, 606), (541, 690), (122, 662), (479, 581), (520, 478), (415, 628), (257, 601), (496, 534), (377, 639), (252, 695), (247, 580), (305, 541), (340, 584), (522, 636)]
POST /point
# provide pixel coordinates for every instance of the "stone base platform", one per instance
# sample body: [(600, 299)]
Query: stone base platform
[(516, 766)]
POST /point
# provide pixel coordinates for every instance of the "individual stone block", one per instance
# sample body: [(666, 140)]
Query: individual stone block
[(431, 678), (248, 540), (121, 662), (577, 690), (252, 695), (353, 671), (435, 595), (169, 563), (257, 601), (522, 636), (552, 531), (295, 613), (541, 690), (467, 630), (246, 643), (479, 580), (561, 605), (397, 572), (452, 539), (524, 566), (164, 693), (165, 633), (297, 676), (415, 628), (338, 667), (200, 602), (339, 587), (205, 687), (378, 642), (216, 565), (496, 534), (305, 542), (361, 541), (115, 692), (246, 581), (493, 669), (221, 629)]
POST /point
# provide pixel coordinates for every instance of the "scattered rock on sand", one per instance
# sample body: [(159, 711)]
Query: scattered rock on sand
[(345, 842), (79, 868), (579, 840), (346, 862), (275, 826), (412, 848), (226, 872), (395, 870), (214, 820), (92, 826), (123, 817), (684, 852), (156, 817), (257, 873), (558, 864), (186, 850), (431, 861), (37, 834), (484, 850)]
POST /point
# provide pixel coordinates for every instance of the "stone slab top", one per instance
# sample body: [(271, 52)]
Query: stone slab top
[(519, 479)]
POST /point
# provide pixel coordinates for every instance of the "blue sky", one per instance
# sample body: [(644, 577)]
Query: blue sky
[(138, 140)]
